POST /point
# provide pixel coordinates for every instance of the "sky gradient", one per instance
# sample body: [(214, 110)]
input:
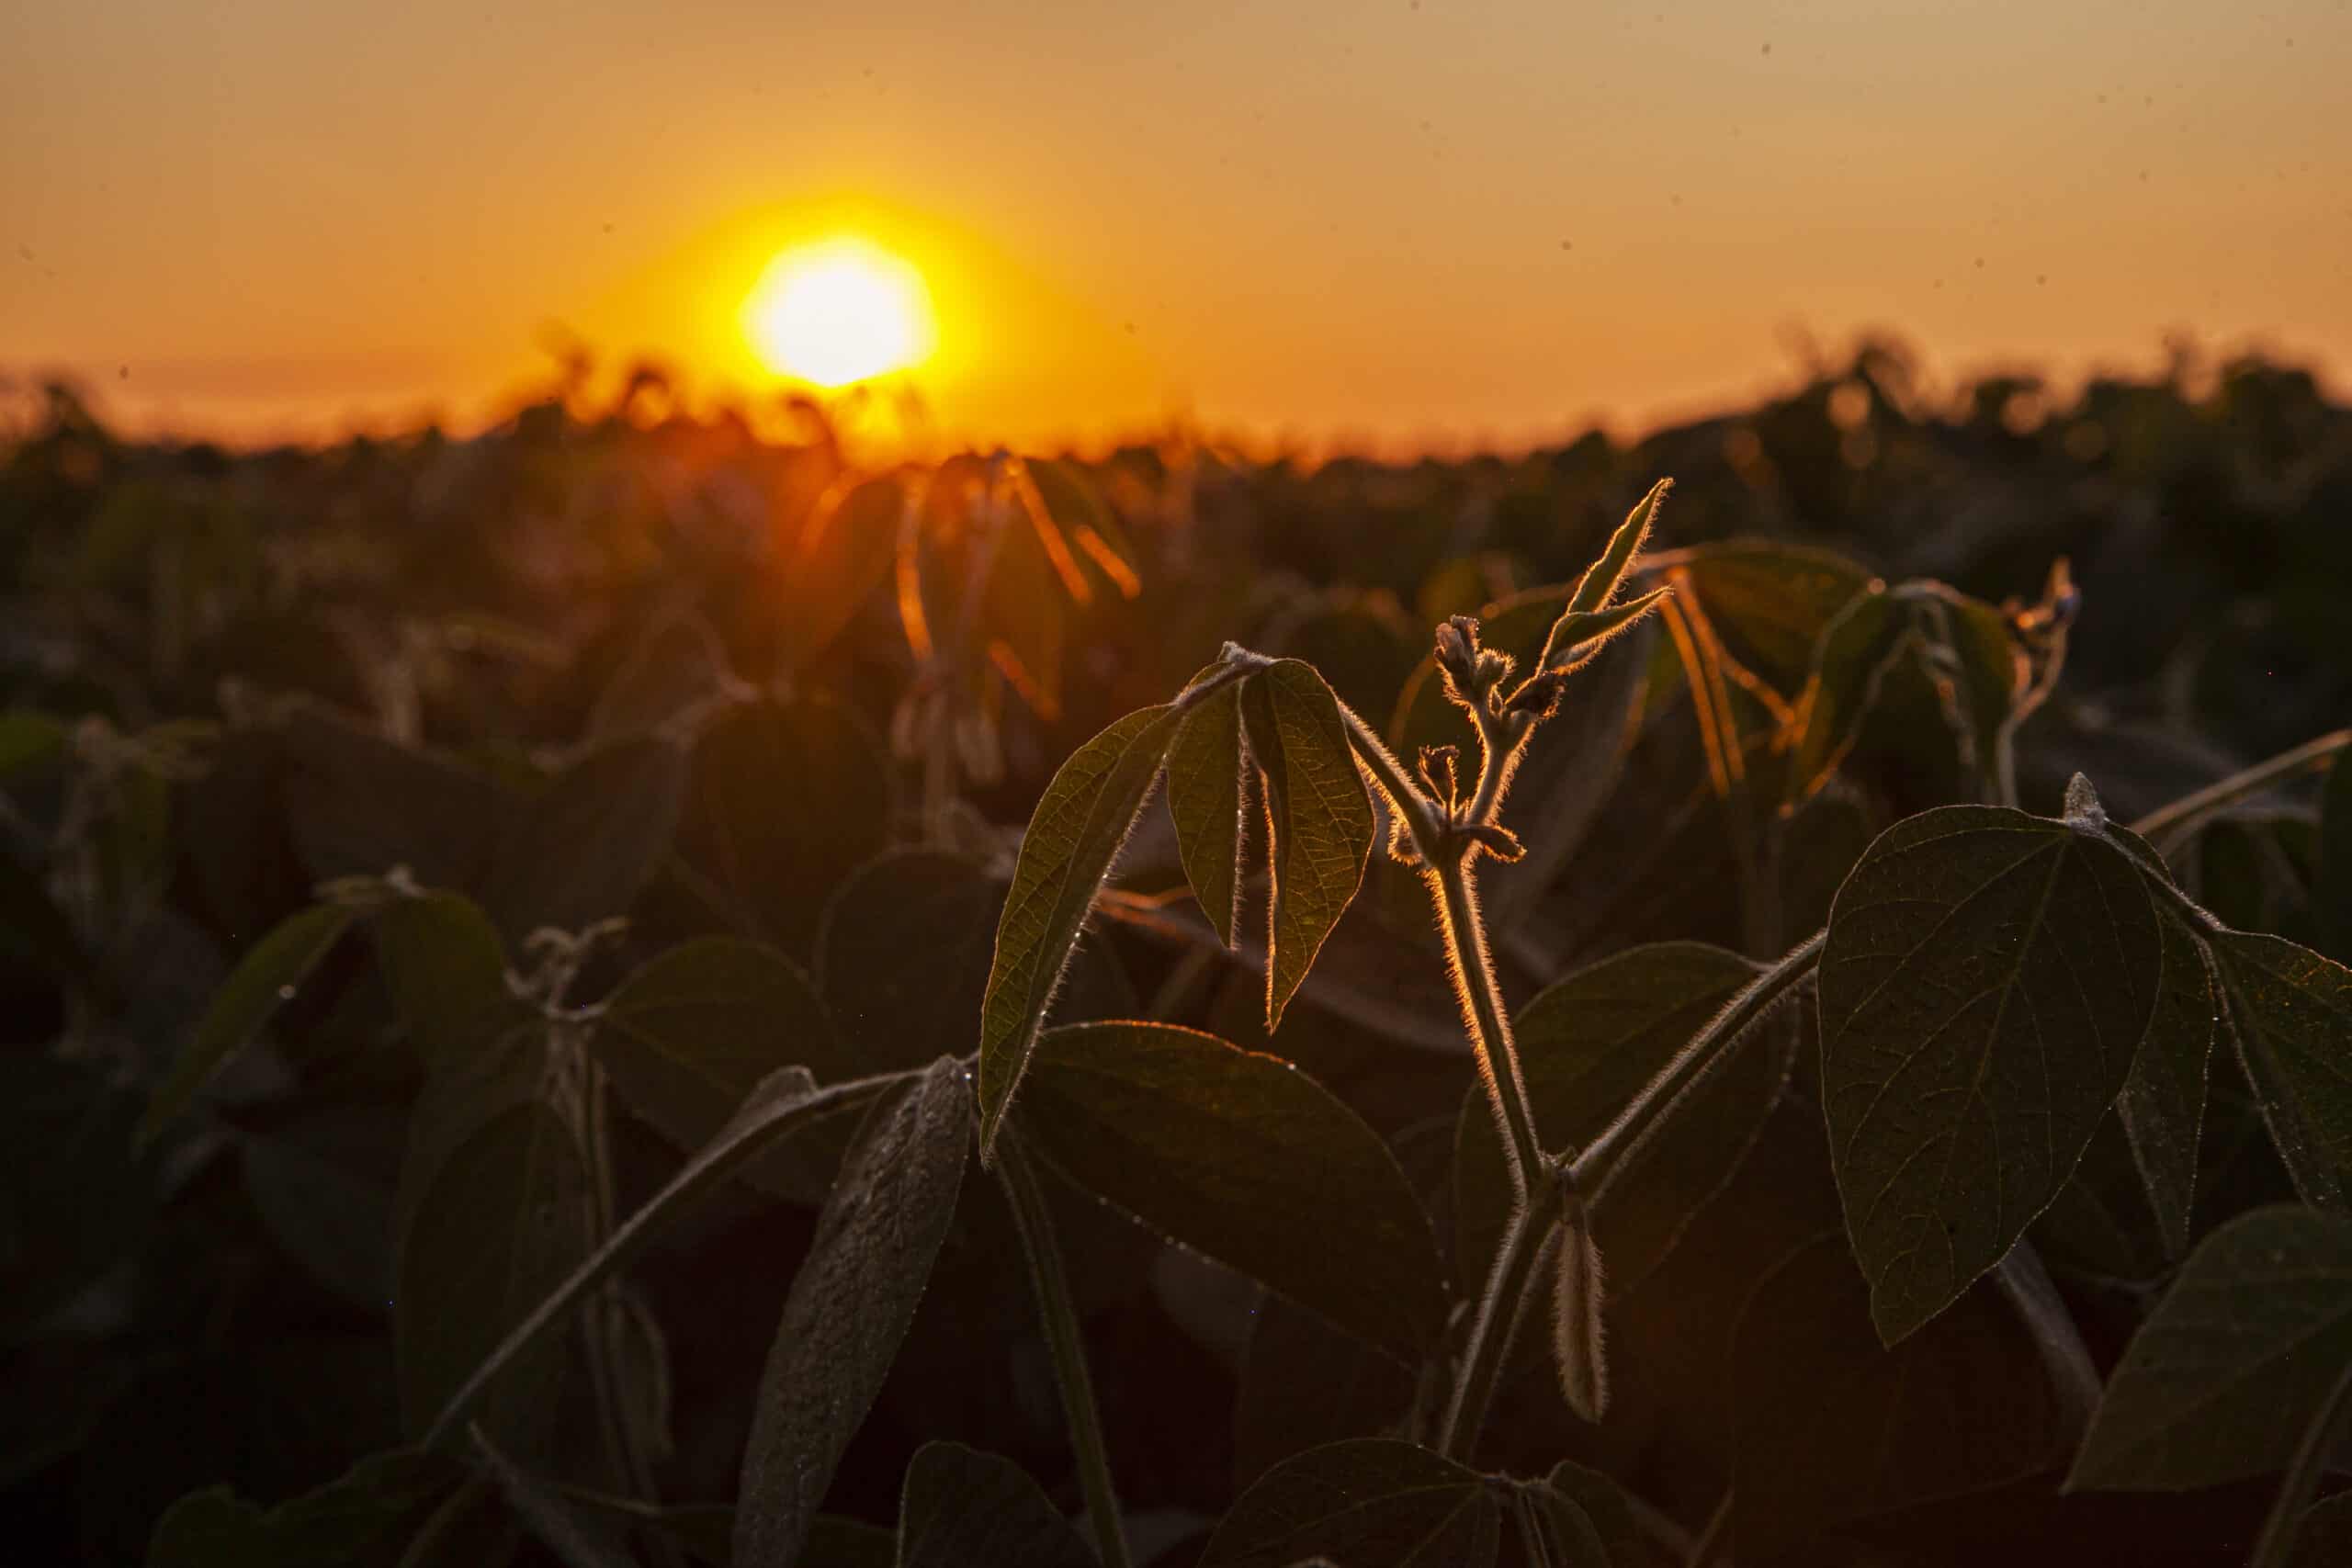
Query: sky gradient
[(1446, 221)]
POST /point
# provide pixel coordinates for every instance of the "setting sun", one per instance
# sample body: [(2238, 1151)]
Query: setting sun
[(839, 312)]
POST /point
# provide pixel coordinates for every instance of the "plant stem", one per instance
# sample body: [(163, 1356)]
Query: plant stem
[(1484, 1016), (1512, 1284), (2190, 809), (1692, 1065), (1058, 1314)]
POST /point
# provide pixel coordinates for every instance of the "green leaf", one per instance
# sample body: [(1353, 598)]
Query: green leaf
[(1987, 980), (1318, 817), (1831, 1428), (786, 797), (1245, 1158), (1768, 601), (1369, 1502), (2163, 1103), (783, 1102), (2236, 1363), (263, 981), (355, 1519), (2290, 1011), (585, 850), (691, 1032), (1601, 581), (1204, 800), (1587, 1046), (1073, 836), (963, 1509), (445, 967), (493, 1214), (1857, 649), (850, 1307)]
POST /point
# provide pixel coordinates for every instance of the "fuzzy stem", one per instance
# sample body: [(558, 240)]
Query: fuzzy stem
[(1484, 1016), (1512, 1284), (1058, 1314), (2190, 809)]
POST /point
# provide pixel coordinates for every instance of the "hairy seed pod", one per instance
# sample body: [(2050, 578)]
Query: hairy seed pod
[(1578, 1297)]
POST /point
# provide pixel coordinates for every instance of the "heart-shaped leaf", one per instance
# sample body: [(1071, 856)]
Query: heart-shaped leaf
[(691, 1032), (1832, 1428), (263, 981), (1245, 1158), (1318, 817), (963, 1509), (1073, 836), (2290, 1011), (2163, 1103), (1204, 800), (850, 1306), (1987, 980), (1371, 1501), (2239, 1358)]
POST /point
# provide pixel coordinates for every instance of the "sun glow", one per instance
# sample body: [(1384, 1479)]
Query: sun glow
[(839, 312)]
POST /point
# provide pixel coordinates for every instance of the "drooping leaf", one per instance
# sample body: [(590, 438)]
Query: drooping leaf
[(2163, 1103), (1587, 1046), (1245, 1158), (2236, 1361), (1204, 800), (2290, 1011), (963, 1509), (357, 1520), (1856, 650), (1073, 836), (263, 981), (1768, 600), (786, 798), (782, 1103), (1318, 817), (1370, 1501), (491, 1215), (445, 967), (584, 849), (850, 1306), (1986, 983), (1832, 1428), (694, 1030)]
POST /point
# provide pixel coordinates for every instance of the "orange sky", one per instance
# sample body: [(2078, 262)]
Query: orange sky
[(1398, 221)]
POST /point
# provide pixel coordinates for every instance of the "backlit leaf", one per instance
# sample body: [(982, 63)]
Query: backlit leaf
[(263, 981), (1245, 1158), (1318, 817), (2236, 1361), (1856, 650), (1204, 800), (836, 561), (2163, 1103), (1769, 601), (1073, 836), (1986, 983), (1372, 1501), (963, 1509), (850, 1306), (2291, 1012)]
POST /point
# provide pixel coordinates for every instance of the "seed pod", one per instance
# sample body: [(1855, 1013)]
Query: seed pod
[(1577, 1295)]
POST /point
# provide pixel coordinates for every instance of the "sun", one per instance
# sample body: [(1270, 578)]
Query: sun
[(838, 312)]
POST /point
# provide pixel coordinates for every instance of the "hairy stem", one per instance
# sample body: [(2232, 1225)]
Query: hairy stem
[(1512, 1283), (1484, 1016), (2167, 821), (1059, 1313)]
